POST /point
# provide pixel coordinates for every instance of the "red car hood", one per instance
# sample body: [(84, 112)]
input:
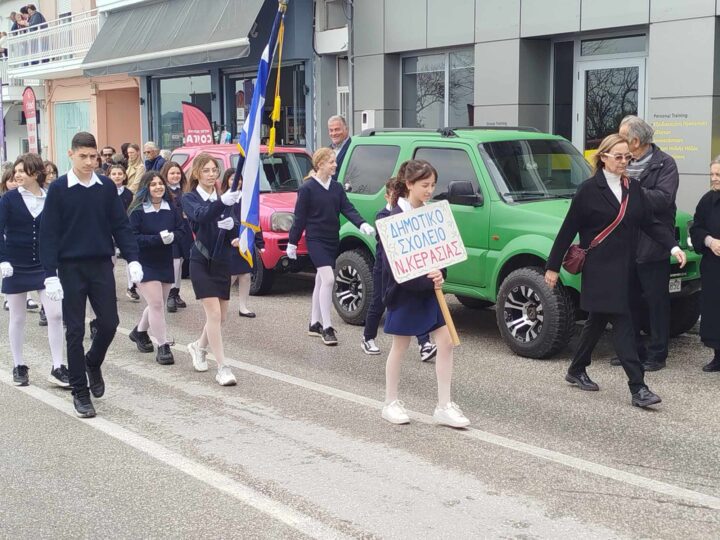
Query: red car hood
[(277, 202)]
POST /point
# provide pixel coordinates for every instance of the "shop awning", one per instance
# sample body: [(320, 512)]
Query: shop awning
[(172, 33)]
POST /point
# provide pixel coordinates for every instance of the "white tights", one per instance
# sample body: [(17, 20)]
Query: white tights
[(153, 316), (443, 365), (177, 266), (16, 328), (244, 281), (322, 297), (215, 315)]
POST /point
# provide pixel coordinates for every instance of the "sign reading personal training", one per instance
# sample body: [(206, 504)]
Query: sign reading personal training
[(421, 240)]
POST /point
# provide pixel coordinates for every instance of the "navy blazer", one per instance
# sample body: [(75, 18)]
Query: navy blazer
[(341, 157), (19, 232)]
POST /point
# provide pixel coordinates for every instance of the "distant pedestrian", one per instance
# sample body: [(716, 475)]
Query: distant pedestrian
[(116, 173), (339, 134), (51, 172), (135, 168), (107, 154), (705, 235), (153, 160), (320, 202)]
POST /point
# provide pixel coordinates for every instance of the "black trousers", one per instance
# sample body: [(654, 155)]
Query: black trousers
[(652, 292), (623, 336), (83, 281)]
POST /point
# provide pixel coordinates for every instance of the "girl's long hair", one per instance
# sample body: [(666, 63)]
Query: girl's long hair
[(605, 146), (320, 156), (143, 193), (33, 165), (165, 169), (411, 171), (122, 168), (199, 162), (225, 184)]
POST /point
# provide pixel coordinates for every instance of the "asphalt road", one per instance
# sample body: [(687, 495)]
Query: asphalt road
[(298, 449)]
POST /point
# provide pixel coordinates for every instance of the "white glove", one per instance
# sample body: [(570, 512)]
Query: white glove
[(53, 289), (135, 271), (291, 251), (6, 269), (228, 223), (230, 198), (366, 228), (167, 237)]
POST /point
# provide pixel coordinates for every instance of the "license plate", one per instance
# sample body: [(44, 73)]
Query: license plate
[(675, 285)]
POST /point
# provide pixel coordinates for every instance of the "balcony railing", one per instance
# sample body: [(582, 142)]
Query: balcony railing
[(13, 81), (60, 42)]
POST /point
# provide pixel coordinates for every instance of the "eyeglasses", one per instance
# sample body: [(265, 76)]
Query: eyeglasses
[(107, 155), (209, 171), (620, 157)]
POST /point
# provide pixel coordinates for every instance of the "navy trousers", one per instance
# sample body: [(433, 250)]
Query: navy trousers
[(653, 279), (82, 281)]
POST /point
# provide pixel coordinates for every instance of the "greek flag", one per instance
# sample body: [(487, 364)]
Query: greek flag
[(250, 145)]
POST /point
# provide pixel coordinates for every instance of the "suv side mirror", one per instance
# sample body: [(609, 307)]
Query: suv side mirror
[(463, 192)]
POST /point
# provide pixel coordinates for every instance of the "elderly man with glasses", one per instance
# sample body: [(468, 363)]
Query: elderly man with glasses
[(107, 157), (658, 176), (153, 160)]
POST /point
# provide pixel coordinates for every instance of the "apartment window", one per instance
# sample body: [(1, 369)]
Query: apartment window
[(438, 89)]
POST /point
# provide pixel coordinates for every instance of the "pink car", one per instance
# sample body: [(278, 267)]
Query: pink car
[(281, 175)]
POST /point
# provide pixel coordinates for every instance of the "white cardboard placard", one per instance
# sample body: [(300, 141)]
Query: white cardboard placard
[(421, 240)]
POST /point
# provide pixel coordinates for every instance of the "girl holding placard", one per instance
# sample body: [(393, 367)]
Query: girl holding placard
[(413, 309)]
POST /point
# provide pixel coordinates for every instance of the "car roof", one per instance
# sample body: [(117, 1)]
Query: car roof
[(477, 134), (233, 149)]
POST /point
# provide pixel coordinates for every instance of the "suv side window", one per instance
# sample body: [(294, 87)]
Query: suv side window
[(452, 164), (370, 167)]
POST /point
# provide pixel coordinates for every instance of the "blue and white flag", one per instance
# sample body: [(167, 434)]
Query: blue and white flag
[(250, 144)]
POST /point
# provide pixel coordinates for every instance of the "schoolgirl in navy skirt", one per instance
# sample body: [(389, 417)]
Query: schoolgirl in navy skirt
[(176, 182), (211, 218), (20, 217), (116, 173), (157, 225), (319, 204), (413, 309)]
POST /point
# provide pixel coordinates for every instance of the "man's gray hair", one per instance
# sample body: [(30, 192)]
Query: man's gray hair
[(715, 161), (152, 145), (638, 129), (338, 118)]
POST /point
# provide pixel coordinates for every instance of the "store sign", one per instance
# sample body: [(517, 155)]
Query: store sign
[(30, 112), (196, 126)]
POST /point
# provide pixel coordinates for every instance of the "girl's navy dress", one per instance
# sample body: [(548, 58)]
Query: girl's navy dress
[(126, 196), (155, 257), (317, 212), (412, 307), (20, 243), (181, 250), (210, 254)]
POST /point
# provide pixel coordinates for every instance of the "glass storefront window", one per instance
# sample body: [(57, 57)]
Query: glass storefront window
[(173, 92), (619, 45), (438, 89)]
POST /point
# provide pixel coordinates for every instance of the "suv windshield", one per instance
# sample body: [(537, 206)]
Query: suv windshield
[(280, 171), (528, 170)]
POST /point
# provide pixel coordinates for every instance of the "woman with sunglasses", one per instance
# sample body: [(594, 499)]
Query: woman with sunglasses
[(608, 267)]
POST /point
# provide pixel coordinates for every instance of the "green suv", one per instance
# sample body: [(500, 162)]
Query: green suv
[(509, 190)]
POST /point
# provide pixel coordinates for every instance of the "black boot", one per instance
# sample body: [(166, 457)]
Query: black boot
[(714, 364), (142, 340), (179, 302), (171, 301), (164, 355), (43, 318)]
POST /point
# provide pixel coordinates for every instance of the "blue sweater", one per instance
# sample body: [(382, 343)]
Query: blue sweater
[(147, 226), (203, 217), (317, 212), (19, 232), (126, 197), (80, 223)]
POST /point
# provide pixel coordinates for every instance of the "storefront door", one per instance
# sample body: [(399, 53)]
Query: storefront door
[(606, 91)]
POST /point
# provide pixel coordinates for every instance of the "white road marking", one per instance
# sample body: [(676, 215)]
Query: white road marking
[(221, 482)]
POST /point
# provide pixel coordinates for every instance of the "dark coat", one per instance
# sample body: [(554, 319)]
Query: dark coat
[(707, 223), (607, 270), (154, 164), (659, 181), (341, 157)]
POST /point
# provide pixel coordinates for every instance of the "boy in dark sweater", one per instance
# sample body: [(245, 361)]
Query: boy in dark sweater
[(82, 216)]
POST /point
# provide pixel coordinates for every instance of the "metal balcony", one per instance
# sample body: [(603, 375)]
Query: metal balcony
[(55, 49), (12, 88)]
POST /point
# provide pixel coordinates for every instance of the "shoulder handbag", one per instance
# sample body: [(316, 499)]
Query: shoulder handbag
[(574, 259)]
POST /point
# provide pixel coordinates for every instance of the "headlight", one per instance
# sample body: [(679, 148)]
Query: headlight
[(282, 221)]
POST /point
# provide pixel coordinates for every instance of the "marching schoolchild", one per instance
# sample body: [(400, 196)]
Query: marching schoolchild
[(82, 217), (7, 183), (319, 204), (21, 212), (413, 309), (157, 224), (204, 207), (240, 270), (176, 182), (117, 174), (51, 172), (428, 350)]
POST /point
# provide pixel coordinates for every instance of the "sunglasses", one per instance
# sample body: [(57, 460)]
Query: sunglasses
[(620, 157)]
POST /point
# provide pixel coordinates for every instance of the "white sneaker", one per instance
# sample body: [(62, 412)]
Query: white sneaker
[(450, 415), (225, 377), (369, 347), (197, 354), (395, 413)]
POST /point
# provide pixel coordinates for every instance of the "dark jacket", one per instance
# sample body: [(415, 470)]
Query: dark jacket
[(607, 270), (341, 157), (19, 232), (154, 164), (659, 183), (707, 223)]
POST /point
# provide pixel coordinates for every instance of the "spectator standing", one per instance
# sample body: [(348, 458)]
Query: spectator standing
[(51, 172), (657, 174), (135, 167), (340, 140), (153, 160), (107, 154)]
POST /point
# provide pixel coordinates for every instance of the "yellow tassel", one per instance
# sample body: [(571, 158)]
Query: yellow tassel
[(275, 117), (271, 141), (240, 149)]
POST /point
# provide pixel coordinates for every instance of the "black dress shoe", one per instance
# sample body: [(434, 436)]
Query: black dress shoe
[(582, 381), (644, 398), (171, 304), (83, 406), (179, 302), (713, 365), (615, 361), (249, 314), (164, 355), (43, 318), (653, 366), (95, 380), (142, 340)]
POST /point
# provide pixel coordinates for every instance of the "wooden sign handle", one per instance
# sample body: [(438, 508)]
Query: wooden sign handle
[(448, 318)]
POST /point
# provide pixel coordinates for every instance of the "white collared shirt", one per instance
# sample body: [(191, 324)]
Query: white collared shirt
[(34, 203), (73, 180), (404, 204), (212, 197), (339, 147), (149, 208), (326, 185), (120, 190)]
